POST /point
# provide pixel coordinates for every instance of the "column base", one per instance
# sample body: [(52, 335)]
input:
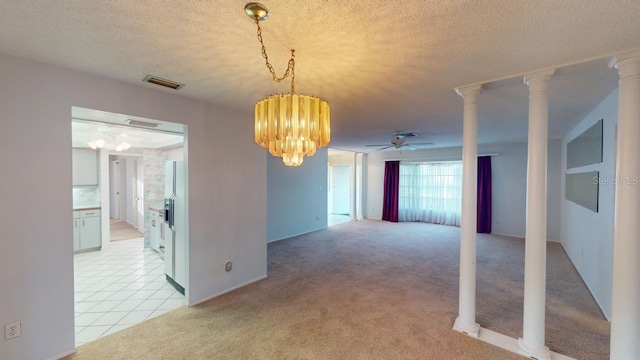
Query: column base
[(469, 329), (541, 353)]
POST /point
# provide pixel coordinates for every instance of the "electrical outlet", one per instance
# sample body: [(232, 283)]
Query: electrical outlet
[(227, 266), (12, 330)]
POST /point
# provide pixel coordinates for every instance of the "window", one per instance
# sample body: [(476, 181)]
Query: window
[(431, 192)]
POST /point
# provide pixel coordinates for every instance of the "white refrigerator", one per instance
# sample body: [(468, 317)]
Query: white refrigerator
[(175, 248)]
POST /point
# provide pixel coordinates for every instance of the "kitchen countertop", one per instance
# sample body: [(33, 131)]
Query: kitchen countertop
[(86, 207)]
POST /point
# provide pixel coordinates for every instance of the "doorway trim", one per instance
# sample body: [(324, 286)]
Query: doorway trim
[(114, 120)]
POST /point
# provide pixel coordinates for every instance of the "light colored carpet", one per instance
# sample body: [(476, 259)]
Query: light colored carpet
[(122, 230), (369, 290)]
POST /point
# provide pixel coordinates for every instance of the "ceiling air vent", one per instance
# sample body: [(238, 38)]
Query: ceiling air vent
[(163, 82)]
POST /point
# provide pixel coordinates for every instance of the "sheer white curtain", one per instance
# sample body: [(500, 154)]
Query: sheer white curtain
[(431, 192)]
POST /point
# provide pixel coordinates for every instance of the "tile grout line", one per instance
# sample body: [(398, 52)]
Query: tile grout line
[(152, 270)]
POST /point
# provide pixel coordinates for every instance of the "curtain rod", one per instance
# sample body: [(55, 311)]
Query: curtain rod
[(450, 158)]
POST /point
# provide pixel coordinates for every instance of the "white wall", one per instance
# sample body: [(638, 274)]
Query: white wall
[(509, 183), (587, 236), (175, 154), (340, 190), (344, 158), (554, 193), (36, 261), (296, 196)]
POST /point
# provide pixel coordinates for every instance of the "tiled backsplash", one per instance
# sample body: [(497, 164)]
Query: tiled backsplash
[(153, 161), (86, 195)]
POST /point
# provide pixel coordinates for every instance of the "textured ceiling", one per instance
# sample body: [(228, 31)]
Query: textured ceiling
[(384, 66)]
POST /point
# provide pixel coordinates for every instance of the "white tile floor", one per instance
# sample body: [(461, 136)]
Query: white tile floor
[(119, 287)]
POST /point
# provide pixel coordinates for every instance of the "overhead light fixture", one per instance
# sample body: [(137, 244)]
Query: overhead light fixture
[(111, 143), (291, 126), (141, 123)]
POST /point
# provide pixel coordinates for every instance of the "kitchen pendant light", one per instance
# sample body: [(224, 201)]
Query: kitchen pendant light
[(291, 126)]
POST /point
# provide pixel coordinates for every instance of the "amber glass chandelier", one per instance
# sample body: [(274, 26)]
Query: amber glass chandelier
[(291, 126)]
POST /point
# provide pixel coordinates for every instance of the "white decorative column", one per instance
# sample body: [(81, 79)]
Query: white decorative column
[(625, 307), (359, 185), (466, 321), (532, 343), (353, 188)]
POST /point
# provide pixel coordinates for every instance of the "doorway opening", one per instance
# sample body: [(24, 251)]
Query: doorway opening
[(339, 201), (121, 273), (126, 197), (343, 195)]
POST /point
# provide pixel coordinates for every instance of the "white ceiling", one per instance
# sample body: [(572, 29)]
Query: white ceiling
[(384, 66), (83, 132)]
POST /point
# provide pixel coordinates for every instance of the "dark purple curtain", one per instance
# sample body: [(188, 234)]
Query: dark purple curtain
[(391, 186), (484, 195)]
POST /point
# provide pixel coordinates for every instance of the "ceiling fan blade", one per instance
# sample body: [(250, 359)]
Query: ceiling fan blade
[(422, 144), (377, 145), (408, 147), (384, 148)]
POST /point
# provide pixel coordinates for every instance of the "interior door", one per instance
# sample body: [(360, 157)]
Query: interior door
[(139, 196), (121, 189), (114, 206), (117, 189)]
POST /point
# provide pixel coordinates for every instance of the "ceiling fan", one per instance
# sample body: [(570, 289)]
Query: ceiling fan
[(400, 141)]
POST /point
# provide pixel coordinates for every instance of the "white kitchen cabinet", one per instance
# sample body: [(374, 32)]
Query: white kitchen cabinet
[(76, 234), (86, 230), (85, 167), (155, 230)]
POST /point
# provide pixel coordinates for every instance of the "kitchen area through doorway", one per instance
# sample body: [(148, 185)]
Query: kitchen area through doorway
[(130, 215)]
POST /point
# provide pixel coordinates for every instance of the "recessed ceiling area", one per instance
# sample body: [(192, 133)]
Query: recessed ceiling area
[(89, 125), (574, 91), (383, 66)]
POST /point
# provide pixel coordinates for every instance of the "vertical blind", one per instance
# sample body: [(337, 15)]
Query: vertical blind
[(431, 192)]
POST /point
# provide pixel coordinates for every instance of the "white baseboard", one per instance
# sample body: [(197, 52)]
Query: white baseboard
[(63, 355), (294, 235), (508, 343), (521, 237), (228, 290), (507, 235)]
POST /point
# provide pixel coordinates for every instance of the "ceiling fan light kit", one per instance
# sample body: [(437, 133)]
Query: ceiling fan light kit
[(111, 143), (291, 126)]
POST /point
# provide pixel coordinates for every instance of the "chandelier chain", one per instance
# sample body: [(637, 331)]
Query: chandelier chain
[(290, 65)]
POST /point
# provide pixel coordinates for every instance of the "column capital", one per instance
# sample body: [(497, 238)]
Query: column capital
[(539, 78), (468, 90), (628, 54), (627, 63)]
